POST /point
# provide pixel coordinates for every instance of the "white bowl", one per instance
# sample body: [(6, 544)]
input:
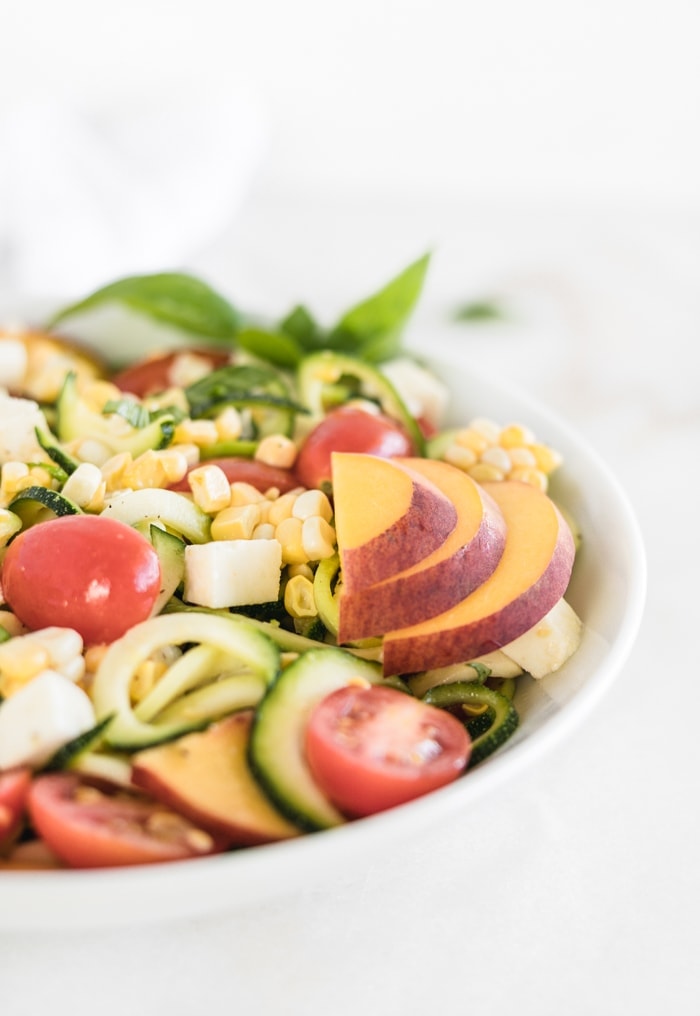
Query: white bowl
[(607, 590)]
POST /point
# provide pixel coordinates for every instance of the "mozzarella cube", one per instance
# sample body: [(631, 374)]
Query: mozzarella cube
[(232, 573), (547, 645), (40, 718)]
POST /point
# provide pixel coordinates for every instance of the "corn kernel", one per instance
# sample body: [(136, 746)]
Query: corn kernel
[(288, 532), (237, 522), (245, 493), (90, 450), (114, 468), (11, 623), (521, 457), (264, 531), (317, 538), (85, 484), (281, 508), (174, 463), (93, 657), (300, 569), (197, 432), (457, 455), (470, 438), (189, 450), (299, 597), (276, 450), (9, 525), (547, 459), (210, 488), (484, 472), (187, 368), (515, 435), (498, 457), (310, 503), (96, 394), (145, 677), (13, 475), (535, 477), (486, 427), (145, 471), (229, 425), (21, 659)]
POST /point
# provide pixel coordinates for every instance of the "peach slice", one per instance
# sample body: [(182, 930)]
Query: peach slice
[(205, 776), (531, 576), (464, 560), (387, 518)]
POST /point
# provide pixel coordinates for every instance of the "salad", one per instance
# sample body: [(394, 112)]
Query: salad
[(252, 586)]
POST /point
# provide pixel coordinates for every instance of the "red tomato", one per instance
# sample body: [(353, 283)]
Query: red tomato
[(257, 474), (348, 430), (91, 828), (371, 748), (94, 574), (14, 787), (153, 374)]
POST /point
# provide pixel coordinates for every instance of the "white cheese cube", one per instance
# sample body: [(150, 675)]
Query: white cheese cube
[(40, 718), (232, 573), (547, 645)]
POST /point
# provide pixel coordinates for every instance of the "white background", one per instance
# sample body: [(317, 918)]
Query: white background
[(549, 154)]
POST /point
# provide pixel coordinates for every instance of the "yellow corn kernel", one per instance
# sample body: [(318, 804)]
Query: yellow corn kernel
[(546, 459), (9, 525), (96, 394), (299, 597), (144, 679), (188, 450), (276, 450), (85, 485), (229, 425), (89, 449), (174, 463), (245, 493), (93, 657), (264, 531), (472, 440), (210, 488), (114, 468), (317, 538), (521, 457), (288, 532), (300, 569), (237, 522), (486, 427), (13, 476), (21, 659), (457, 455), (145, 471), (484, 472), (197, 432), (11, 623), (496, 456), (515, 435), (311, 503), (281, 508), (535, 477), (187, 368)]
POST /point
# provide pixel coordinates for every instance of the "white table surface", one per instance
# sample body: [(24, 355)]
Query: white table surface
[(576, 888)]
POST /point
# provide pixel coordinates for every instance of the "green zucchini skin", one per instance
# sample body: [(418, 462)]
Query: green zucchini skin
[(491, 729), (276, 747), (33, 500)]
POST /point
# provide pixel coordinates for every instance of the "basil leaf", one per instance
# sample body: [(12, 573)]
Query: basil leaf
[(478, 311), (372, 329), (302, 326), (172, 298), (133, 412), (275, 347)]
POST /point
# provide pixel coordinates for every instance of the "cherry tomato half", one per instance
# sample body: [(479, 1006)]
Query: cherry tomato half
[(154, 373), (87, 572), (258, 474), (14, 787), (371, 748), (348, 429), (89, 827)]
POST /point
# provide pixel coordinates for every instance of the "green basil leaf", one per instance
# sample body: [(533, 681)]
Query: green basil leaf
[(302, 326), (479, 311), (372, 329), (172, 298), (275, 347), (133, 412)]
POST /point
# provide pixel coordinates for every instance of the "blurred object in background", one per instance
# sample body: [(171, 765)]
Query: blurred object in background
[(85, 198)]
